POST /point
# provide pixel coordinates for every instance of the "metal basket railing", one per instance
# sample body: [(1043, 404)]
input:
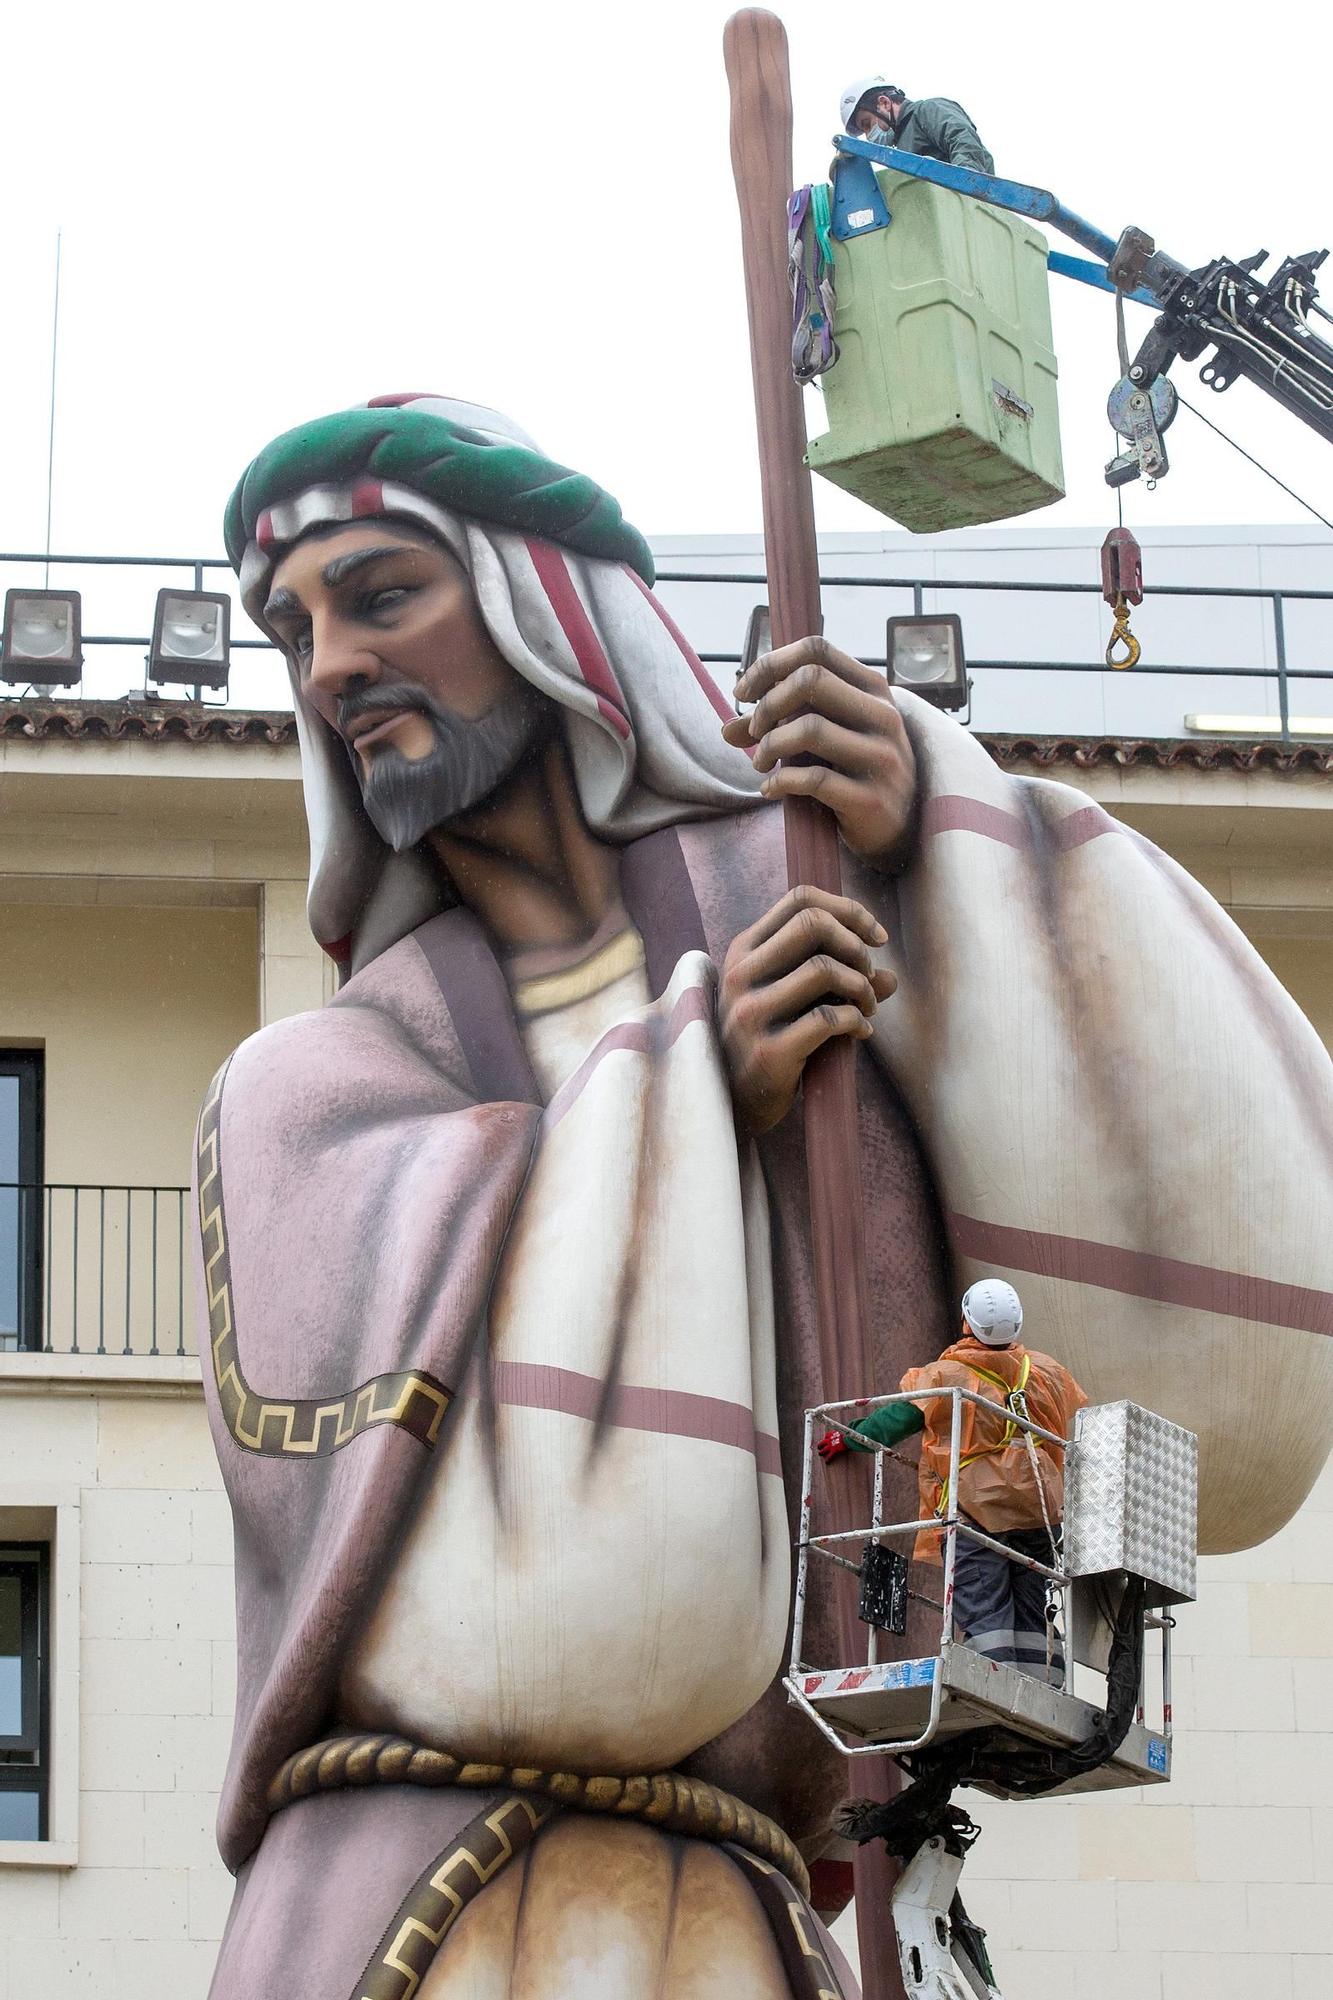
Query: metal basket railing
[(948, 1526)]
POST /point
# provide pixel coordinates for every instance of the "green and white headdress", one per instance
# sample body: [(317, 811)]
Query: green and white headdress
[(563, 583)]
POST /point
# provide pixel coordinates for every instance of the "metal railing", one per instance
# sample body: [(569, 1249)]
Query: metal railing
[(927, 595), (947, 1527), (1282, 673), (94, 1269)]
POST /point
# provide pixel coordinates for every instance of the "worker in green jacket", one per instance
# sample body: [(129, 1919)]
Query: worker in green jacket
[(934, 127)]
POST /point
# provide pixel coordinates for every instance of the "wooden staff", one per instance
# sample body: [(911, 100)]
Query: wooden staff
[(755, 50)]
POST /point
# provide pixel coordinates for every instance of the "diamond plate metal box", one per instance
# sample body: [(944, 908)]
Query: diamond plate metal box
[(1131, 1500)]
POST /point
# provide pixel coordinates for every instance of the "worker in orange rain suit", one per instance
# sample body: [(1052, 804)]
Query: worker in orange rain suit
[(999, 1605)]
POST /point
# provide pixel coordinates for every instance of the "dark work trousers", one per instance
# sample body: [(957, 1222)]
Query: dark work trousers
[(1000, 1607)]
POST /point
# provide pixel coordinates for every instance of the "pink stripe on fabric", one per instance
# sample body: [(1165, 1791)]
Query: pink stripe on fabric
[(534, 1385), (691, 658), (553, 575), (1140, 1274), (264, 531), (406, 396), (953, 813), (693, 1005), (1077, 828), (367, 498)]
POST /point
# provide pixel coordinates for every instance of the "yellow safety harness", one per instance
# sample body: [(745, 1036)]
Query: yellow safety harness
[(1013, 1399), (1016, 1405)]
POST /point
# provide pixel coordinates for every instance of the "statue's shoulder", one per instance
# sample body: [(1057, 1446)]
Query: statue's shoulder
[(384, 1037)]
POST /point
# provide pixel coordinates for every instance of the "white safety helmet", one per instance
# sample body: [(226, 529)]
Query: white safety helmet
[(993, 1311), (854, 92)]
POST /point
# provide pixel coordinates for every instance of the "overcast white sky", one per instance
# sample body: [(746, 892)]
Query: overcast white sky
[(271, 211)]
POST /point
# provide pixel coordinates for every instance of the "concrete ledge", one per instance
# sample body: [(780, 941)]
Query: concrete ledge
[(38, 1854), (169, 1375)]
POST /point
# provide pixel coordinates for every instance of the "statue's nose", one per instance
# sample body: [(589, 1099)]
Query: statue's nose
[(339, 660)]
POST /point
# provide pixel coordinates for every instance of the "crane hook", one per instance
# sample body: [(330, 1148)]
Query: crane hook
[(1122, 585), (1122, 636)]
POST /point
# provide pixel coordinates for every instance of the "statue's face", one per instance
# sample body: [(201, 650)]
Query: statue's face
[(391, 650)]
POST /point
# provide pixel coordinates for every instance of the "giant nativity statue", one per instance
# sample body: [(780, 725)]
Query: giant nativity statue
[(505, 1252)]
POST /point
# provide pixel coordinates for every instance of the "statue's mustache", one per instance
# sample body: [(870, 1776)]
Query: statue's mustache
[(406, 798), (387, 696)]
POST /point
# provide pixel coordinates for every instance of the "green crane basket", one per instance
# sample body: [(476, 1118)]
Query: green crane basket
[(942, 405)]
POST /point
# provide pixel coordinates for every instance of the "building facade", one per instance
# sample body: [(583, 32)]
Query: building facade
[(152, 883)]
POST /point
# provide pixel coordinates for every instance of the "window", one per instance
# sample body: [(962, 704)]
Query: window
[(20, 1198), (24, 1647)]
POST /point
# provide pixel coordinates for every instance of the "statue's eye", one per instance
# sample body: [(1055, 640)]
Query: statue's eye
[(387, 599)]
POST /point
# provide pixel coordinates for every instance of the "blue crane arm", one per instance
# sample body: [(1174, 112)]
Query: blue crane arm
[(858, 196), (1096, 275)]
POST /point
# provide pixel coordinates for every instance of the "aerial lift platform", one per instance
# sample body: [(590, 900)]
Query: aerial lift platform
[(899, 1705), (1125, 1557)]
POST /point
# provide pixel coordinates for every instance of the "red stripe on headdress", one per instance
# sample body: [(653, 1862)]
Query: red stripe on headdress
[(264, 532), (555, 580), (367, 498), (407, 396), (696, 666)]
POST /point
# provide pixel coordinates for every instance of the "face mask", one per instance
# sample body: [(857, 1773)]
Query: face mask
[(880, 135)]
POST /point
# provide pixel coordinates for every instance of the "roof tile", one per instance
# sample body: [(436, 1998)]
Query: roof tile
[(39, 721)]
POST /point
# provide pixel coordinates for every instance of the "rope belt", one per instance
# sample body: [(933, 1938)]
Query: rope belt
[(667, 1800)]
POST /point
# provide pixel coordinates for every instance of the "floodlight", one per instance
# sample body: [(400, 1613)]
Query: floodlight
[(42, 639), (926, 656), (191, 637)]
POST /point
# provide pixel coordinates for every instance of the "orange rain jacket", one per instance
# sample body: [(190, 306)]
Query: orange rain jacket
[(997, 1486)]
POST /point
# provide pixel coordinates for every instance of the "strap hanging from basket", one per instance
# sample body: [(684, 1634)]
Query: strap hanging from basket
[(810, 269)]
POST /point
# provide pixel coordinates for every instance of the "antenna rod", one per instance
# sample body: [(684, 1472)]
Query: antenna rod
[(51, 433)]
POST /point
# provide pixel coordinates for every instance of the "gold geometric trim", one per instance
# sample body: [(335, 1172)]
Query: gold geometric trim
[(315, 1427), (805, 1959), (434, 1903)]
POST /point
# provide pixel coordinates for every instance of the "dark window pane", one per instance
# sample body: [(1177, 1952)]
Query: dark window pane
[(9, 1128), (20, 1816), (11, 1658), (23, 1720), (9, 1211)]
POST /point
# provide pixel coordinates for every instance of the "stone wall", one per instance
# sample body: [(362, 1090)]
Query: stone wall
[(134, 1007), (139, 1911)]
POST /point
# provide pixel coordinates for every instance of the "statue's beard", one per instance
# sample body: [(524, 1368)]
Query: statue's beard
[(408, 797)]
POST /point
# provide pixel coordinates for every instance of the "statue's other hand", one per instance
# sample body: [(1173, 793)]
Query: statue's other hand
[(791, 982), (817, 704)]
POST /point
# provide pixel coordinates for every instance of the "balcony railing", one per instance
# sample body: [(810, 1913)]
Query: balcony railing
[(94, 1270)]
